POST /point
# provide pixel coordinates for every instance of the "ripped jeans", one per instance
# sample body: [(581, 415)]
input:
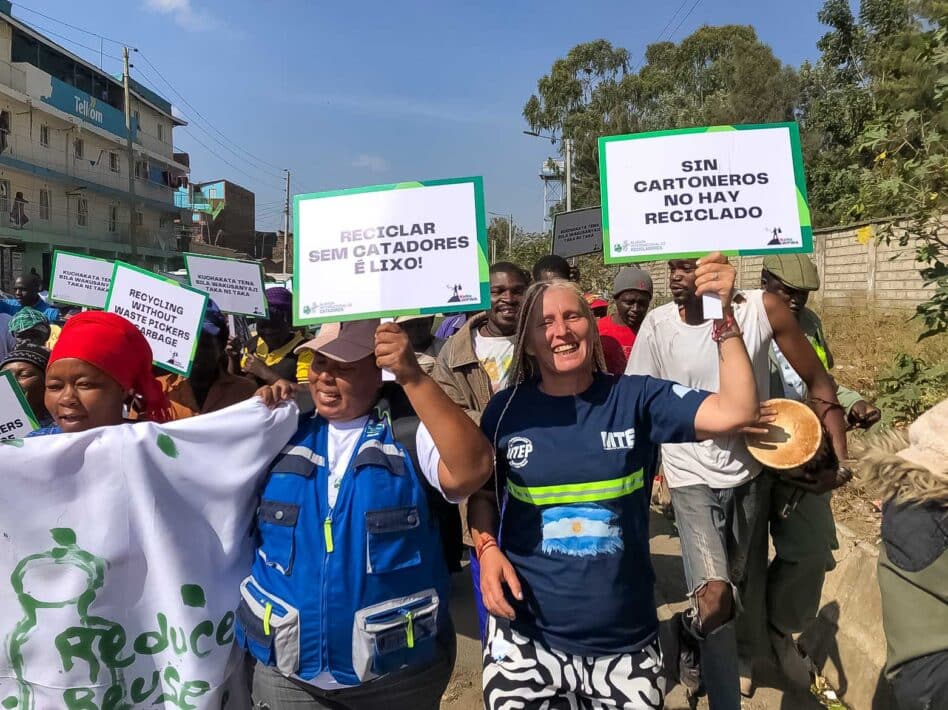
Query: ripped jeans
[(715, 526)]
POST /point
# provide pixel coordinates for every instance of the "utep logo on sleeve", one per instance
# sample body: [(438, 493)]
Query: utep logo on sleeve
[(518, 451)]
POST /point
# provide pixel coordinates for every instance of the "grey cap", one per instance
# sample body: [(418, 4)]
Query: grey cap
[(631, 277)]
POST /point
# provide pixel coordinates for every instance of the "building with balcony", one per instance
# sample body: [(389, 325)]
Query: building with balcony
[(64, 166), (224, 215)]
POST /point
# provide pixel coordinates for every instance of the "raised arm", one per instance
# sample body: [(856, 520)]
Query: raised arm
[(466, 456), (736, 403)]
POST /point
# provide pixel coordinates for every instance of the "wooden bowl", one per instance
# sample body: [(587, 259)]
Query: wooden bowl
[(791, 441)]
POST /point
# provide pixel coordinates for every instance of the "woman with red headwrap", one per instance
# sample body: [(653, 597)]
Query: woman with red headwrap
[(100, 361)]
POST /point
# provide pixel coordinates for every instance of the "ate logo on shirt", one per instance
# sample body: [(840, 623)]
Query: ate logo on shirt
[(518, 451), (615, 440)]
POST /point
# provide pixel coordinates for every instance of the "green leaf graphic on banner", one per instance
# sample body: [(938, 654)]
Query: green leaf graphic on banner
[(166, 444)]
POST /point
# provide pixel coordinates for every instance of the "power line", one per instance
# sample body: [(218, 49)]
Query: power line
[(678, 26), (199, 114), (224, 160), (661, 34), (73, 27), (237, 154)]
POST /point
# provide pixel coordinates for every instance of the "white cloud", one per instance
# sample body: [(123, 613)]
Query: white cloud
[(185, 15), (374, 163)]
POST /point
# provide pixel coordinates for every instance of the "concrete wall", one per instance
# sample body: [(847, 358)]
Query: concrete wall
[(855, 273)]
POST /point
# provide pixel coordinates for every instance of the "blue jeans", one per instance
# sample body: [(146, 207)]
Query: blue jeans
[(716, 526)]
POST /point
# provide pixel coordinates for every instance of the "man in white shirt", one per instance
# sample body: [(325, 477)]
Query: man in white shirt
[(715, 487)]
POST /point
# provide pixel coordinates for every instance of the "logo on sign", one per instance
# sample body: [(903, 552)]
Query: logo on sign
[(87, 108)]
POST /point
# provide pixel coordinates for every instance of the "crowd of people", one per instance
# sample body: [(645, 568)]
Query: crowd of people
[(526, 441)]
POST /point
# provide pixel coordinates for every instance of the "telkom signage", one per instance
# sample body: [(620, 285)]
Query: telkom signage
[(78, 103)]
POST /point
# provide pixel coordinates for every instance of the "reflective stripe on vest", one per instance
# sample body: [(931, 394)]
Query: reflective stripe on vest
[(578, 492), (820, 351)]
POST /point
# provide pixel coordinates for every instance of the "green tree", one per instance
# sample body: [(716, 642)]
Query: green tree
[(717, 75)]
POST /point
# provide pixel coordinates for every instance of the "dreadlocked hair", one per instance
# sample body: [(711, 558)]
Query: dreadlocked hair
[(524, 366), (883, 473)]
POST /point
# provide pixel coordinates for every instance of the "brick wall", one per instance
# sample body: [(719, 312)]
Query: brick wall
[(873, 275)]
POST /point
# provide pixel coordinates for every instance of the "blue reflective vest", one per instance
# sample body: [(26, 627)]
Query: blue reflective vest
[(359, 590)]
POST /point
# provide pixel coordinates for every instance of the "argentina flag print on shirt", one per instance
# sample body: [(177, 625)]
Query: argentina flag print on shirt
[(580, 530)]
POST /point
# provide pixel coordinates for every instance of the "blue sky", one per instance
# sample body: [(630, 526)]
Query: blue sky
[(360, 93)]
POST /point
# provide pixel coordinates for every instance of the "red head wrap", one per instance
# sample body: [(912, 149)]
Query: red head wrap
[(118, 348)]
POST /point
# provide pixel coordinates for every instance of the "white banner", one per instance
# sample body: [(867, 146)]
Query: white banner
[(686, 192), (236, 286), (167, 313), (578, 232), (121, 557), (16, 417), (80, 280), (390, 250)]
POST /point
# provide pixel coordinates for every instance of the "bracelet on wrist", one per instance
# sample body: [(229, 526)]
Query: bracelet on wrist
[(725, 328), (485, 541)]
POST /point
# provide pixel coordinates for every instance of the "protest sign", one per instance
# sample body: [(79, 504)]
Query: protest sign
[(390, 250), (16, 418), (235, 285), (687, 192), (167, 313), (80, 280), (578, 232), (119, 585)]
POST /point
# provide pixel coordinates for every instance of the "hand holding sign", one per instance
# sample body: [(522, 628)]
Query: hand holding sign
[(714, 282)]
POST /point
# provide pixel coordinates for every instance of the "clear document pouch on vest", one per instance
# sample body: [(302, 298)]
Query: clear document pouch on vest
[(270, 626), (395, 634)]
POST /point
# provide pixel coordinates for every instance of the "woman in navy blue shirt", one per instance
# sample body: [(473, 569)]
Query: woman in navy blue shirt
[(569, 584)]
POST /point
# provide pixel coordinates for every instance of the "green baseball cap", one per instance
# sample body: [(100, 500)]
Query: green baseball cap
[(795, 270)]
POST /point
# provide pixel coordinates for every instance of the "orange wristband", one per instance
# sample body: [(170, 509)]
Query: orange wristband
[(484, 542)]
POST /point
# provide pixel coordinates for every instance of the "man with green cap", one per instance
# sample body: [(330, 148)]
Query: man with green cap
[(787, 596)]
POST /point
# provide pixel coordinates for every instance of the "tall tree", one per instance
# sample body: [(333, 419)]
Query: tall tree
[(717, 75)]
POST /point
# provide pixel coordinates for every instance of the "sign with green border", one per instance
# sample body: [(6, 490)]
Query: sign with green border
[(80, 279), (236, 285), (390, 250), (683, 193), (167, 313), (16, 417)]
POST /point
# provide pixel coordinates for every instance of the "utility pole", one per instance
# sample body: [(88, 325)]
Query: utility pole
[(568, 159), (509, 233), (131, 158), (286, 220)]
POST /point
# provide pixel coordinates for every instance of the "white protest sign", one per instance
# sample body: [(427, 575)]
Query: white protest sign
[(688, 192), (236, 286), (80, 280), (390, 250), (119, 584), (16, 418), (578, 232), (167, 313)]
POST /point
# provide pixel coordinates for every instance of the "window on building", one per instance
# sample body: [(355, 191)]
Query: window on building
[(114, 162), (44, 204), (164, 222), (4, 196), (141, 169), (78, 147), (139, 219), (82, 212), (138, 116), (113, 218), (44, 136), (161, 132)]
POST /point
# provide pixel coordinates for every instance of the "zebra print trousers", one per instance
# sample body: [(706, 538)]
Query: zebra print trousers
[(525, 674)]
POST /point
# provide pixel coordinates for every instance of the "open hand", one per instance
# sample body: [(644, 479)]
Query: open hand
[(766, 416), (496, 571)]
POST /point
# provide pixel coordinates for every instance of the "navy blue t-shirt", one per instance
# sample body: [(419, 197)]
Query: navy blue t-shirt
[(575, 472)]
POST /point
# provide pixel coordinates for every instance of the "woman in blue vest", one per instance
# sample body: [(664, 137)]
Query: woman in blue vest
[(576, 625), (347, 602)]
